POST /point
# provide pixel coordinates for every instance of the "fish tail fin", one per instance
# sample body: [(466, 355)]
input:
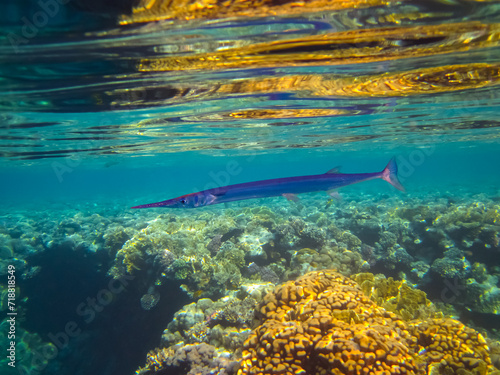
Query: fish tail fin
[(390, 174)]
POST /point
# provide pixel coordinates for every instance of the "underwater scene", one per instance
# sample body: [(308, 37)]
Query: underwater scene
[(250, 187)]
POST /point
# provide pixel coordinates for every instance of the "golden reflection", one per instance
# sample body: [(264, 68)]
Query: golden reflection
[(441, 79), (348, 47), (271, 113), (420, 81), (427, 58), (156, 10)]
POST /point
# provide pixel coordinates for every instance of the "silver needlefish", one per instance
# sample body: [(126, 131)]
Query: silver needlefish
[(287, 187)]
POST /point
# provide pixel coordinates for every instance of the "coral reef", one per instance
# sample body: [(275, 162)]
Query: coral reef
[(323, 323), (334, 256), (224, 323), (452, 265), (434, 244), (150, 299), (213, 254), (191, 359), (206, 336), (447, 247), (397, 296), (31, 353), (446, 346)]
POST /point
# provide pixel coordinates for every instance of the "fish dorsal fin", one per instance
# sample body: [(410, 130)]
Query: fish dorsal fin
[(334, 170)]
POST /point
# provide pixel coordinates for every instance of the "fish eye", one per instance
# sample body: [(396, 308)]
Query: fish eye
[(183, 200)]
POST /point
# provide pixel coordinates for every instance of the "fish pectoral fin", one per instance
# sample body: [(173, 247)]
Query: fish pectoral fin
[(335, 170), (211, 198), (291, 197)]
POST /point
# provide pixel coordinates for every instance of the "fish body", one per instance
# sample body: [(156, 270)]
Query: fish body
[(288, 187)]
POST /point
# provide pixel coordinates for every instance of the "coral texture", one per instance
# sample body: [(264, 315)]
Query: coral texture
[(446, 346), (223, 323), (199, 359), (323, 323), (397, 296)]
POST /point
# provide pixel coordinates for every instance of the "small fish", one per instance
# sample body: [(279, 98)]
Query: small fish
[(287, 187), (329, 203)]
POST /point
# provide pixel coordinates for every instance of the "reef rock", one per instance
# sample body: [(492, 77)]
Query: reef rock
[(191, 359)]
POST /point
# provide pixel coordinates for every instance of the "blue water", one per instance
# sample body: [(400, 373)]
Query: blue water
[(433, 168), (89, 129)]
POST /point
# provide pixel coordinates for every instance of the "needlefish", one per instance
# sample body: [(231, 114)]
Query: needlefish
[(287, 187)]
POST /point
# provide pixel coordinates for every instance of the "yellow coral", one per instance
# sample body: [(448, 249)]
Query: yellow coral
[(397, 296), (446, 346), (323, 323), (132, 252)]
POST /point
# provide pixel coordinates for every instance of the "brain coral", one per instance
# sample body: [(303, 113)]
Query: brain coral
[(446, 346), (322, 323)]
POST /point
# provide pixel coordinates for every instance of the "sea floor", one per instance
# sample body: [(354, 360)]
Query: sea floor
[(109, 285)]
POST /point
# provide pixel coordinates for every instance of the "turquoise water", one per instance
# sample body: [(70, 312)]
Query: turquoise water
[(93, 124), (462, 170)]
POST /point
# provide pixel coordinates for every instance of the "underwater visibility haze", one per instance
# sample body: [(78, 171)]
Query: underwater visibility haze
[(109, 105)]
